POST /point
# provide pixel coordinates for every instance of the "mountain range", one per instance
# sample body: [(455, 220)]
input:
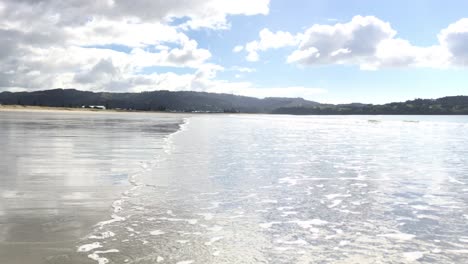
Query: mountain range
[(189, 101)]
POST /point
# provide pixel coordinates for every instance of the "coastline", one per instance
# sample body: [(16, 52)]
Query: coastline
[(67, 109), (29, 108), (88, 184)]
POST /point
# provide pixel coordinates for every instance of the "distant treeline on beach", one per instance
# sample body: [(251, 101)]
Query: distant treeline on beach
[(189, 101)]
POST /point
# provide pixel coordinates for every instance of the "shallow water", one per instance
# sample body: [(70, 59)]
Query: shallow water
[(284, 189), (281, 189), (59, 173)]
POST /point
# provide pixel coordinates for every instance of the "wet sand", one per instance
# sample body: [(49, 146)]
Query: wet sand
[(283, 189), (29, 108), (60, 172), (232, 189)]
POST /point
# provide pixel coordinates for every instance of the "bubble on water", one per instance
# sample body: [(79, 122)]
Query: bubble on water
[(306, 224), (215, 228), (101, 260), (102, 235), (207, 216), (269, 201), (157, 232), (268, 225), (115, 218), (398, 236), (335, 203), (413, 256), (185, 262), (213, 240), (89, 247)]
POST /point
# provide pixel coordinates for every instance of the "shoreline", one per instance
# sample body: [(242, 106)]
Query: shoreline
[(30, 108), (67, 109), (88, 184)]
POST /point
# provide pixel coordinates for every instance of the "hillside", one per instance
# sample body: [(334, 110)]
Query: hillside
[(183, 101), (187, 101), (453, 105)]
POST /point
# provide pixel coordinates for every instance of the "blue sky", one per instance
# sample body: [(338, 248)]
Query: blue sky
[(328, 51), (417, 21)]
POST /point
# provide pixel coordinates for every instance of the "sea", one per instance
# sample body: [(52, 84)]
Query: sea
[(104, 187)]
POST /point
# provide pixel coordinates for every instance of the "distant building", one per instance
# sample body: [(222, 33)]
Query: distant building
[(94, 107)]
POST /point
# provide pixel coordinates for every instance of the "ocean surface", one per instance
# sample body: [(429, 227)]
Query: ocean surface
[(60, 172), (235, 188)]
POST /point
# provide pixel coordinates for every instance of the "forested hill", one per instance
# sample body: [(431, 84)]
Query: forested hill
[(183, 101), (186, 101), (453, 105)]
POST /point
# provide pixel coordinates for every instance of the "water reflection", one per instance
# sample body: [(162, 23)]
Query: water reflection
[(60, 172), (273, 189)]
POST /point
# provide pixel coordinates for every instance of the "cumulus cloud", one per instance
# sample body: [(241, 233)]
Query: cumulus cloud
[(238, 48), (103, 70), (355, 42), (106, 45), (368, 42), (269, 40), (454, 39), (199, 13), (205, 80), (243, 69), (365, 41), (213, 13)]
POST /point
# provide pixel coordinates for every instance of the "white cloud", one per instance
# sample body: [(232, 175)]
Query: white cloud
[(401, 53), (269, 40), (213, 13), (367, 42), (122, 32), (355, 42), (57, 66), (252, 56), (205, 79), (454, 39), (189, 55), (103, 70), (238, 48), (249, 89), (300, 56), (199, 13), (105, 45), (243, 69)]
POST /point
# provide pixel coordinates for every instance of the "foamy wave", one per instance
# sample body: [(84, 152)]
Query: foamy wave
[(101, 260)]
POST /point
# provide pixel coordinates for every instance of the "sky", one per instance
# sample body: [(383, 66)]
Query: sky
[(330, 51)]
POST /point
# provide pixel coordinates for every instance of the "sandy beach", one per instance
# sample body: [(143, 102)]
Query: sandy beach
[(62, 169), (63, 109)]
